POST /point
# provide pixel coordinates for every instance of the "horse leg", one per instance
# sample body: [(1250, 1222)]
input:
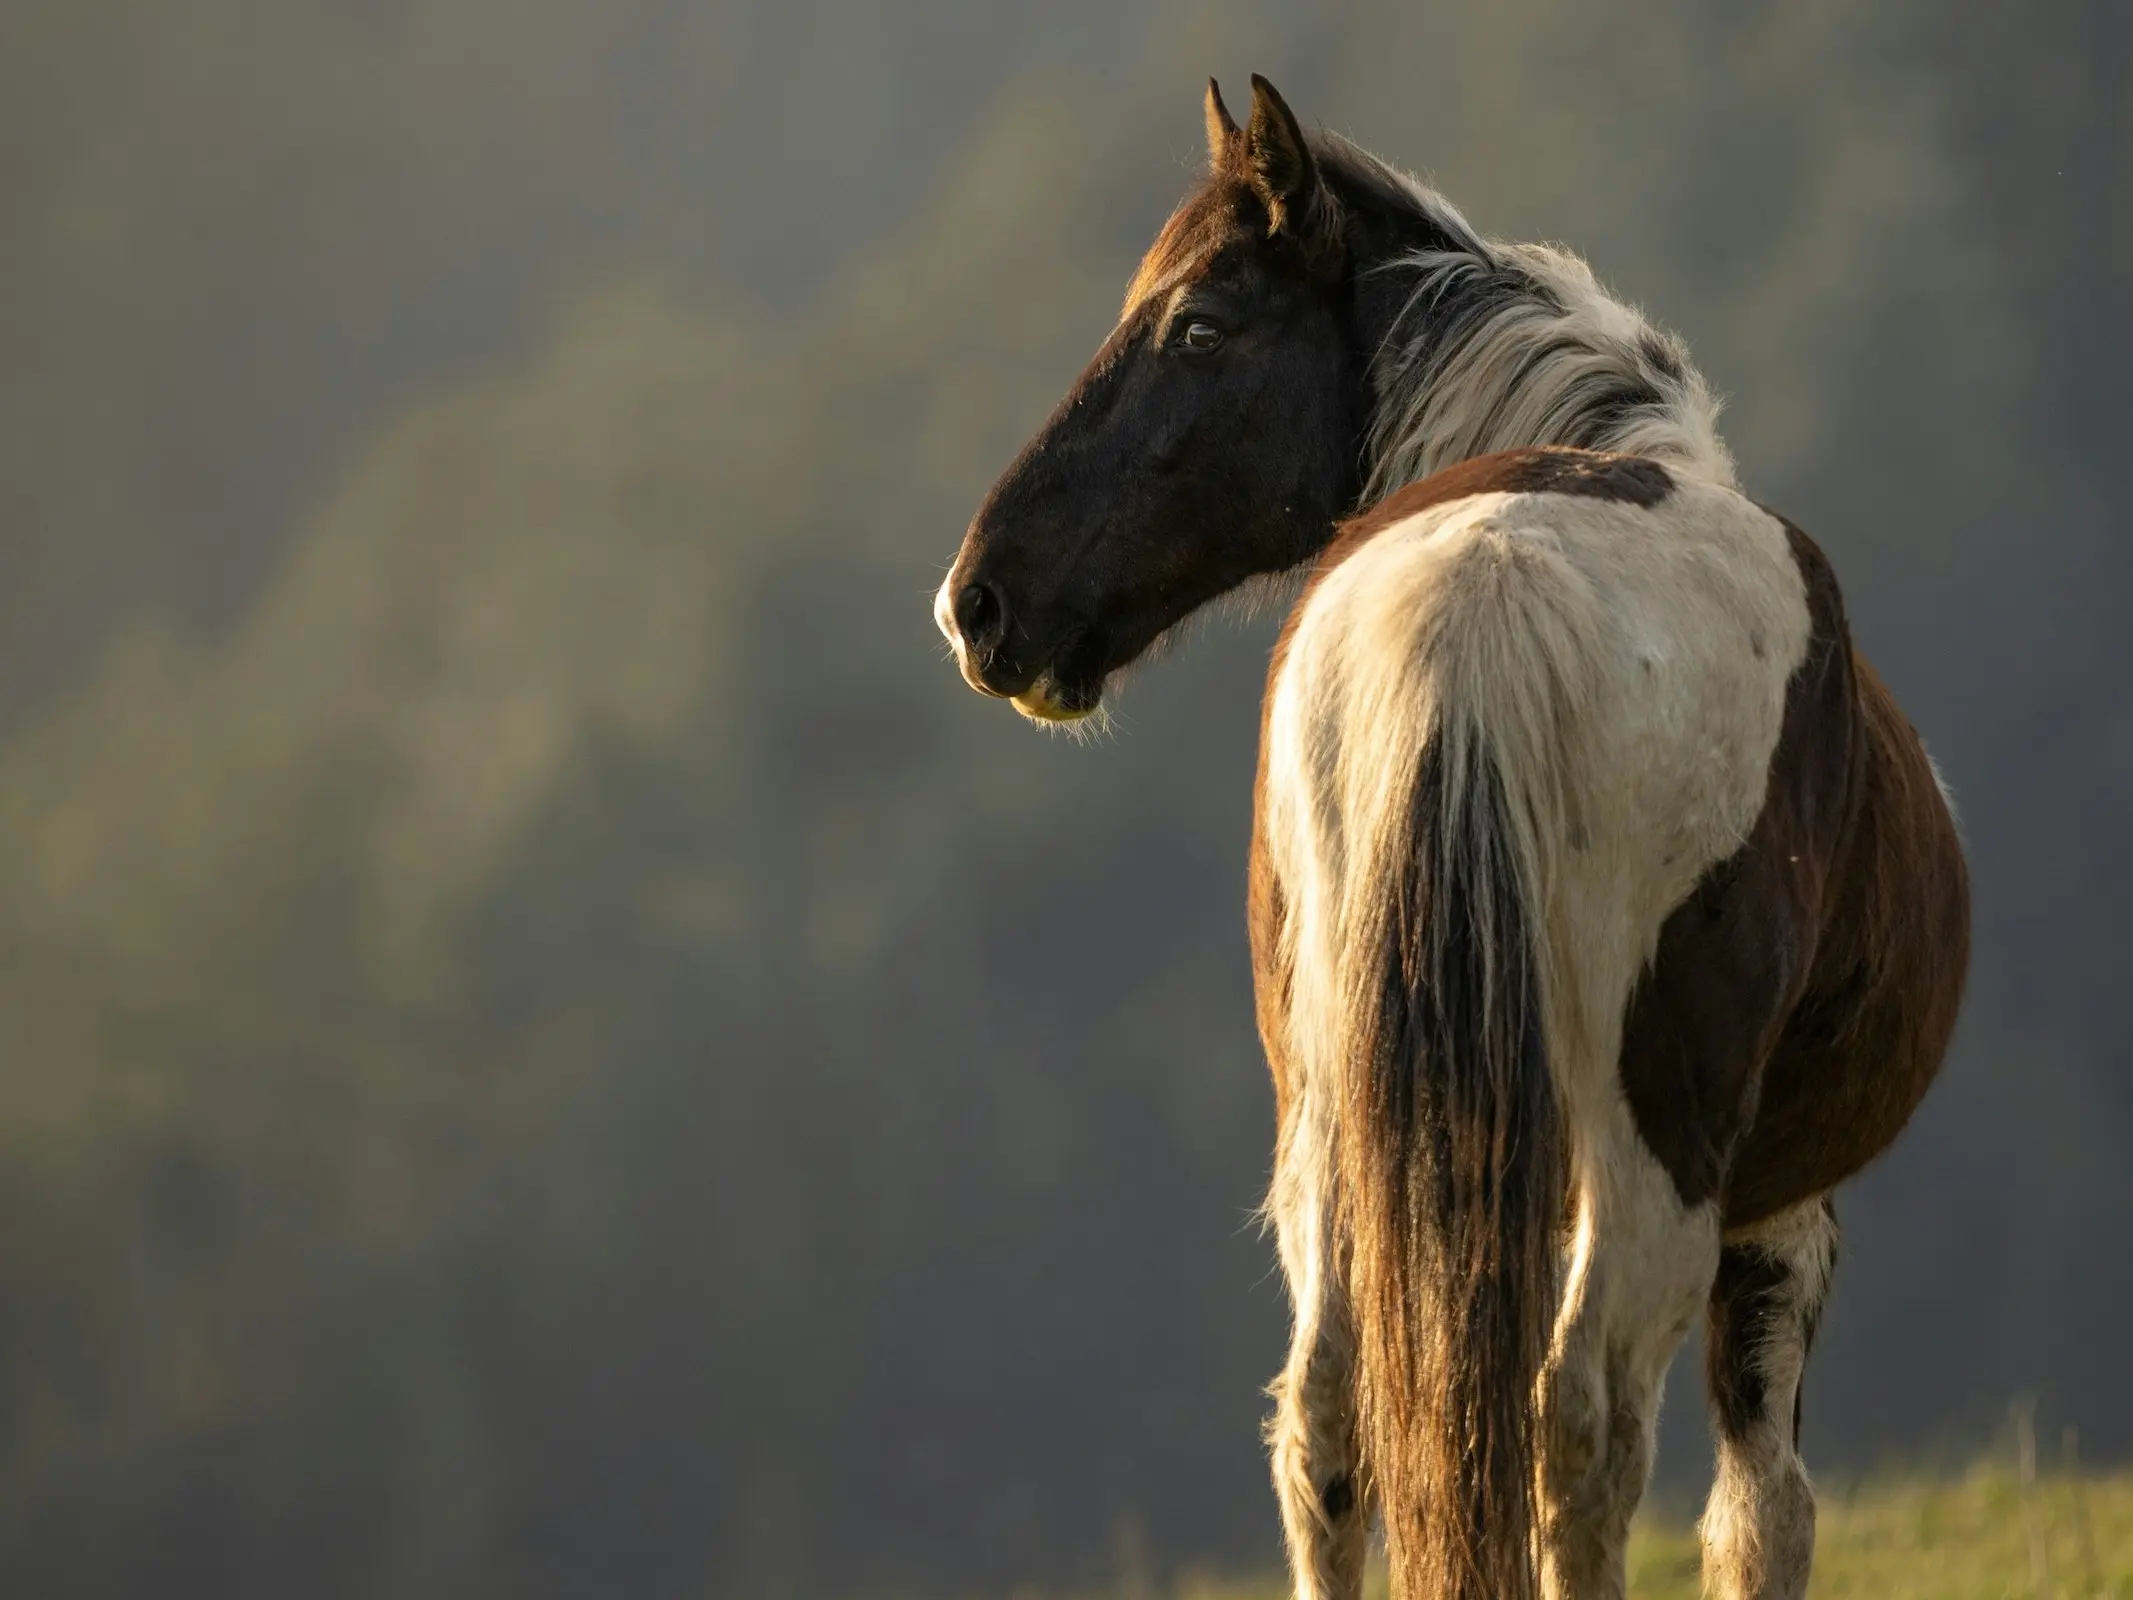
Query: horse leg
[(1312, 1434), (1759, 1527), (1640, 1265)]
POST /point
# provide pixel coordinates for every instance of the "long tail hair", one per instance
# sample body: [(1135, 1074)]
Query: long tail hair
[(1452, 1168), (1421, 811)]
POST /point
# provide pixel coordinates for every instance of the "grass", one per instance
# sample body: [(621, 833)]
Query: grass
[(1985, 1535)]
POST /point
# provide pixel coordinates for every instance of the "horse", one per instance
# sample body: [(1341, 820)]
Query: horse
[(1606, 913)]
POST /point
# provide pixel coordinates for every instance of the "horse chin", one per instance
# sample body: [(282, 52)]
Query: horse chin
[(1049, 700)]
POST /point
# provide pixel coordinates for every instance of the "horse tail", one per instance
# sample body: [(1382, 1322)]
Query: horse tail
[(1453, 1174), (1422, 811)]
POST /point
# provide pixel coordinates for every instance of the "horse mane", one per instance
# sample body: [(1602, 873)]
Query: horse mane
[(1499, 346)]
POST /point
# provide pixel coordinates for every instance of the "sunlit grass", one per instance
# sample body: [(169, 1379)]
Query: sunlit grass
[(1982, 1536)]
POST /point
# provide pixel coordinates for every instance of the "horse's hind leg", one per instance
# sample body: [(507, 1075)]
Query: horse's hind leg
[(1316, 1472), (1759, 1528), (1641, 1265), (1312, 1434)]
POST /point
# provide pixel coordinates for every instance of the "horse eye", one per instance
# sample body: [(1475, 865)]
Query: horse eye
[(1201, 336)]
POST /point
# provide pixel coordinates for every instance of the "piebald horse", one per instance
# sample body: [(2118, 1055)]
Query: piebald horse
[(1606, 913)]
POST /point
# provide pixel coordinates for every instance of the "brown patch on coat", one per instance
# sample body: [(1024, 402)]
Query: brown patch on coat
[(1733, 959), (1867, 1038), (1801, 999), (1593, 474)]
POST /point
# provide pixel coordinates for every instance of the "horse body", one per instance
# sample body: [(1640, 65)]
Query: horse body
[(1710, 815), (1605, 912)]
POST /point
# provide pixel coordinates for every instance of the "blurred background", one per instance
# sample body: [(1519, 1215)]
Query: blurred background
[(548, 1046)]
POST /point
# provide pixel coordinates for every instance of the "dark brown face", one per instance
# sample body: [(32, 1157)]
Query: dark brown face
[(1214, 437)]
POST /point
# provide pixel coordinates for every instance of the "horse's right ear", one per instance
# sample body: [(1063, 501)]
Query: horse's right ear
[(1278, 161), (1221, 129)]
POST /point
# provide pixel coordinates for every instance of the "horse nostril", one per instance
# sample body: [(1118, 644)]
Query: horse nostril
[(980, 618)]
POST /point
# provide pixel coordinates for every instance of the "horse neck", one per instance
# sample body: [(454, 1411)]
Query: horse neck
[(1506, 347)]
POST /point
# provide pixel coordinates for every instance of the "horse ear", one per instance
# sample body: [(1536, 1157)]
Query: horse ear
[(1221, 127), (1277, 158)]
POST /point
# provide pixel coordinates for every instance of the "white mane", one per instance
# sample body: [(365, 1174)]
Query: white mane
[(1501, 346)]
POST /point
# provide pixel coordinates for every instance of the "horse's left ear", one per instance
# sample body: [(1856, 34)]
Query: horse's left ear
[(1278, 161)]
